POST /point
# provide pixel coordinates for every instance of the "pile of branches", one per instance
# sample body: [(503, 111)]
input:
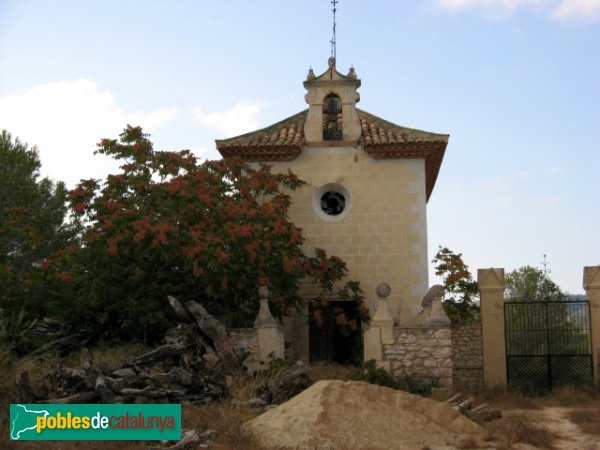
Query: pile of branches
[(189, 367)]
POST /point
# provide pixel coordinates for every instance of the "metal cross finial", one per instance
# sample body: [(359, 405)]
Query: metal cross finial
[(333, 9), (546, 263)]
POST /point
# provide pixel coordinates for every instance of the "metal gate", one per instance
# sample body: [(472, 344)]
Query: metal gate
[(548, 344)]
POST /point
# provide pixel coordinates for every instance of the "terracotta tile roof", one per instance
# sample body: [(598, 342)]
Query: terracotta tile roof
[(381, 139), (282, 141), (384, 140), (377, 131)]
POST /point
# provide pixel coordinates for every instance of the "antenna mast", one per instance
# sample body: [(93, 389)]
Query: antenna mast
[(332, 41)]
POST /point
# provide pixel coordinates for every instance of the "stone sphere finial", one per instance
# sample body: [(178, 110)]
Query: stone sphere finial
[(383, 290), (331, 62), (263, 292)]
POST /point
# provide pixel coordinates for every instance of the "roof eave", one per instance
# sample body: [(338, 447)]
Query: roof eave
[(262, 154)]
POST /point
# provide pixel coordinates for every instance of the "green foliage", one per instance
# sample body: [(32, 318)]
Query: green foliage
[(167, 225), (378, 375), (405, 382), (32, 225), (461, 289), (529, 284), (410, 383), (16, 333), (278, 365)]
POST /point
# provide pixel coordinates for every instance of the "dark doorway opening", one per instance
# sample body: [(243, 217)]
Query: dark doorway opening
[(332, 343)]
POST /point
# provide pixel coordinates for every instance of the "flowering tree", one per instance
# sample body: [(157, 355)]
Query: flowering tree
[(166, 224)]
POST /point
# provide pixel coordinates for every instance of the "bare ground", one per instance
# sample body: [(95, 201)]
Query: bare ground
[(556, 420)]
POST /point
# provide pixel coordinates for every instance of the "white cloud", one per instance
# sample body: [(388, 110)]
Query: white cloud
[(551, 201), (494, 7), (66, 119), (581, 10), (241, 118), (521, 175)]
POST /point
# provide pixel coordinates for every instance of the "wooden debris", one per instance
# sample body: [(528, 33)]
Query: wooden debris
[(480, 412), (281, 387), (174, 372), (217, 333)]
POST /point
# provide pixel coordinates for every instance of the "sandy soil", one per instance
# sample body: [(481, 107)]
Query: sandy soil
[(352, 415)]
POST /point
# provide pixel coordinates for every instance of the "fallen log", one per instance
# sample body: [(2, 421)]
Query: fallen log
[(217, 333), (181, 313), (157, 355)]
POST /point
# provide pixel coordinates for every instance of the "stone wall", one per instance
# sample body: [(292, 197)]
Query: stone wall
[(246, 340), (467, 352), (422, 352)]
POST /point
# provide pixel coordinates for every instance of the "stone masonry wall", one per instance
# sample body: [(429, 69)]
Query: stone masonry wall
[(467, 347), (423, 352), (246, 340)]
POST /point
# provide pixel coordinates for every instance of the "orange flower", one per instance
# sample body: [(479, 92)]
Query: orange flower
[(64, 277), (341, 319), (112, 247)]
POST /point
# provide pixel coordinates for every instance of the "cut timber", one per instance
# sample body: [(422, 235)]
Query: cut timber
[(217, 332)]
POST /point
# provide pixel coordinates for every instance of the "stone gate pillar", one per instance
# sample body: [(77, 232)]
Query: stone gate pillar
[(491, 291), (381, 330), (591, 284)]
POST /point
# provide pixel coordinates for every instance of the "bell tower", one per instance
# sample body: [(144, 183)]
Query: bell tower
[(332, 118)]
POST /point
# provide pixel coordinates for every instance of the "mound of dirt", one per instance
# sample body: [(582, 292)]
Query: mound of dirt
[(354, 414)]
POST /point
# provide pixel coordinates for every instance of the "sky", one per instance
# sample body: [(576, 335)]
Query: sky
[(516, 84)]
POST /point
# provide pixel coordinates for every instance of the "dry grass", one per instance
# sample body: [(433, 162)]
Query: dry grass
[(226, 420), (509, 431), (328, 371), (242, 387), (571, 396), (502, 398), (567, 396), (588, 420)]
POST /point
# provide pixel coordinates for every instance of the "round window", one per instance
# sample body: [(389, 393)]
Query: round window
[(332, 202)]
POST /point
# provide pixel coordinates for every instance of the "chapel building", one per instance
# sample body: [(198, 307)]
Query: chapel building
[(367, 186)]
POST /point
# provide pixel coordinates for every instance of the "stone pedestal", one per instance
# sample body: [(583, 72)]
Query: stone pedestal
[(270, 333)]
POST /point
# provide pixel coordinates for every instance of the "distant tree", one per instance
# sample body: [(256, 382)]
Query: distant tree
[(33, 223), (540, 321), (166, 224), (529, 284), (461, 289)]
